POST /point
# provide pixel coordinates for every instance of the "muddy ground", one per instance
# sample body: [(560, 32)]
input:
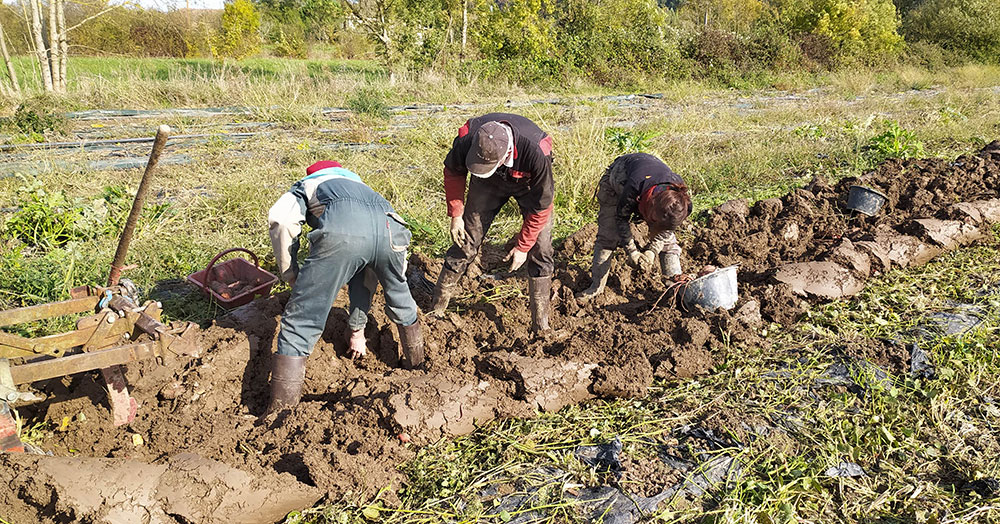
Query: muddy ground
[(360, 418)]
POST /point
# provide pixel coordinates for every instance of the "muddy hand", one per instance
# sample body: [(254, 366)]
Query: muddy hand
[(458, 235), (708, 269), (357, 342), (517, 259)]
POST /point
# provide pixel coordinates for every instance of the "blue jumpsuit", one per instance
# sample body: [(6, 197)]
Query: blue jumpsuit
[(357, 238)]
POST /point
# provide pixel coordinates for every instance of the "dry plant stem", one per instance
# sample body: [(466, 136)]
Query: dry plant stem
[(14, 88)]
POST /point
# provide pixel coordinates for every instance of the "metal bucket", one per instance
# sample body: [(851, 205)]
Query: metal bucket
[(865, 200), (712, 291)]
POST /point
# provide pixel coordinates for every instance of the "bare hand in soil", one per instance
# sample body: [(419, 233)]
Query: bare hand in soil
[(517, 258), (358, 349), (458, 231)]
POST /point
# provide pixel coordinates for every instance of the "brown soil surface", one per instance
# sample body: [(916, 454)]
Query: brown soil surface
[(360, 418)]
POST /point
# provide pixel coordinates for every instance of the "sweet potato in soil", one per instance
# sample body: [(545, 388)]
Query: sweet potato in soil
[(482, 361)]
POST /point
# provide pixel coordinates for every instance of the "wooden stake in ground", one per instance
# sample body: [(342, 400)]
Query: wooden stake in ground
[(124, 407)]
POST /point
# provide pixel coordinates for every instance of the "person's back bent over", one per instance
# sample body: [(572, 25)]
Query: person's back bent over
[(355, 233), (508, 157)]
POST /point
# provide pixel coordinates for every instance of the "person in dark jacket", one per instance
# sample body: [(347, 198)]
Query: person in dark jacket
[(508, 157), (638, 186), (358, 240)]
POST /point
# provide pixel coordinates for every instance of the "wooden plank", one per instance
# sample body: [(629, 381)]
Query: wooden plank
[(58, 367), (21, 315)]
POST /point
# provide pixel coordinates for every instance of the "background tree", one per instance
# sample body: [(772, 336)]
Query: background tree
[(239, 36), (866, 30), (970, 27)]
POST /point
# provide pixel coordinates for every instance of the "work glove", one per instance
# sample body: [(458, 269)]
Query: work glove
[(670, 264), (458, 235), (357, 342), (517, 259), (635, 258)]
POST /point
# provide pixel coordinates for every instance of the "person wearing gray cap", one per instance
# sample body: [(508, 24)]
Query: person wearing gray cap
[(508, 157)]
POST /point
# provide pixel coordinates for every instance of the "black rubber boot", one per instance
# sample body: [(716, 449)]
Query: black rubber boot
[(411, 342), (287, 375), (539, 290), (443, 290)]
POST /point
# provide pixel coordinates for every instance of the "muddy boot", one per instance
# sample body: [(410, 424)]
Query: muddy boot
[(443, 290), (670, 264), (599, 274), (411, 341), (539, 290), (287, 374)]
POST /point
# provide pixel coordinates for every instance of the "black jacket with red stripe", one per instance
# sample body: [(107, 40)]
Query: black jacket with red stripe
[(646, 175), (528, 181)]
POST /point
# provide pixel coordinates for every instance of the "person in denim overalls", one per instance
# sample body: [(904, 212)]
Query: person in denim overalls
[(358, 240)]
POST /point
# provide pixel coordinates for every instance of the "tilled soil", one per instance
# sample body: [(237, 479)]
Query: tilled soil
[(360, 418)]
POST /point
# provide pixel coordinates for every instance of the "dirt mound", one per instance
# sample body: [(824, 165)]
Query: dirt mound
[(187, 488), (809, 241), (360, 418)]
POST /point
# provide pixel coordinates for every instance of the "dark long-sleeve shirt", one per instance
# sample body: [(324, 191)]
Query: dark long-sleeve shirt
[(644, 176), (528, 180)]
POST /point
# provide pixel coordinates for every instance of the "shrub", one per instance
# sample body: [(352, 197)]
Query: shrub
[(514, 30), (240, 33), (289, 42), (965, 26), (33, 118), (865, 30), (612, 41)]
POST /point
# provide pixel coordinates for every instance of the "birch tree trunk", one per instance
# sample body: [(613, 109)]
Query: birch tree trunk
[(63, 44), (40, 51), (14, 88), (53, 46), (465, 24)]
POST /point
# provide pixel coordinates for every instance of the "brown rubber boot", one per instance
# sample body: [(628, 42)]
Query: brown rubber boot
[(411, 341), (287, 375), (539, 289), (443, 290)]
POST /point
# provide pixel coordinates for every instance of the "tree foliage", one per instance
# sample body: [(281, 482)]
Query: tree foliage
[(863, 29), (239, 36), (967, 26)]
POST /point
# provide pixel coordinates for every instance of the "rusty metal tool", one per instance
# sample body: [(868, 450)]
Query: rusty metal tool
[(123, 406)]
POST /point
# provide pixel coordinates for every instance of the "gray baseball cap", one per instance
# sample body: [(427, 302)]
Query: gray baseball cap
[(489, 148)]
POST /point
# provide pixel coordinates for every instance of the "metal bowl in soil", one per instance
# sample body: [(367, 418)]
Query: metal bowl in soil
[(865, 200), (712, 291)]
